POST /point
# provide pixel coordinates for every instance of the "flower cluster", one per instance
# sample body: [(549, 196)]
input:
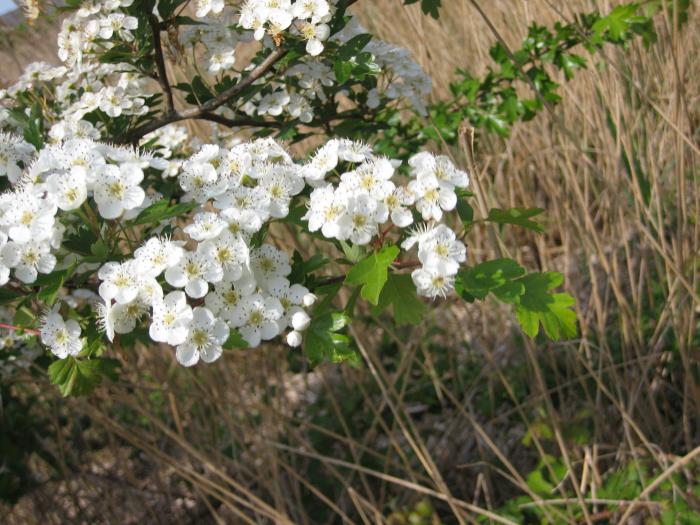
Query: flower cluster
[(15, 155), (366, 198), (305, 18), (230, 280), (63, 177)]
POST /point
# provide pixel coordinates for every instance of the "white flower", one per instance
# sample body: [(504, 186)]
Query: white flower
[(269, 263), (279, 187), (157, 254), (432, 198), (314, 36), (228, 251), (120, 281), (194, 272), (326, 208), (431, 283), (354, 151), (199, 177), (397, 203), (27, 216), (313, 9), (28, 259), (440, 251), (256, 318), (4, 269), (62, 337), (324, 161), (204, 7), (117, 189), (224, 299), (205, 226), (274, 103), (69, 189), (171, 319), (373, 178), (425, 164), (360, 220), (204, 340)]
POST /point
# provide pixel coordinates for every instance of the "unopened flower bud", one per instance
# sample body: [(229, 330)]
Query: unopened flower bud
[(294, 339), (301, 321), (308, 300)]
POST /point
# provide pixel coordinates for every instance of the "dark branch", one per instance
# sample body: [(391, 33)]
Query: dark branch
[(160, 63), (240, 122), (205, 110)]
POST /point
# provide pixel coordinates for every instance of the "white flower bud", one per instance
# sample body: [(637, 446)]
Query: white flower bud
[(294, 339), (301, 321), (308, 300)]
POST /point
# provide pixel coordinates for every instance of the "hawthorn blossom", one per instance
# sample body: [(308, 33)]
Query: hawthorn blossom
[(204, 339)]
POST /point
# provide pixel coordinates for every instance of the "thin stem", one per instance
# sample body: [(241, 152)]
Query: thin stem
[(19, 328)]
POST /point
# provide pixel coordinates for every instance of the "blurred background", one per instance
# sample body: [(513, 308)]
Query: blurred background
[(461, 419)]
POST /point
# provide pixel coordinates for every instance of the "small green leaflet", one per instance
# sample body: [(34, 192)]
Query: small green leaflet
[(235, 340), (50, 285), (400, 293), (322, 340), (372, 273), (517, 216), (80, 377), (429, 7), (162, 210), (537, 306)]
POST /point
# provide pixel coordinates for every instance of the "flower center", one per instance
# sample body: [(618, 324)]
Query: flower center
[(200, 338), (255, 318), (116, 190)]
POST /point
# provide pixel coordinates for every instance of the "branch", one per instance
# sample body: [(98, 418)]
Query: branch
[(160, 63), (239, 122), (204, 111)]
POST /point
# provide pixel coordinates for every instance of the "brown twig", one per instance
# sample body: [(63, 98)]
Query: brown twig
[(160, 64)]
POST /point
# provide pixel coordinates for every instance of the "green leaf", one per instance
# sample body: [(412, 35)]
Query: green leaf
[(372, 273), (353, 46), (492, 276), (8, 295), (322, 340), (162, 210), (50, 285), (516, 216), (400, 293), (537, 305), (235, 340), (429, 7), (80, 377), (343, 71)]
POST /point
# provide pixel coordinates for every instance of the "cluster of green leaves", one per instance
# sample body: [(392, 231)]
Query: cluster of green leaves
[(494, 102), (530, 294), (675, 500)]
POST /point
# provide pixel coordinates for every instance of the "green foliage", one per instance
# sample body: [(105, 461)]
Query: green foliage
[(530, 295), (495, 101), (429, 7), (372, 273), (322, 340), (537, 305), (163, 210), (517, 216), (79, 377), (399, 292)]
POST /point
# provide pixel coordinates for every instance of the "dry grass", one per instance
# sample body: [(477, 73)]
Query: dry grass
[(253, 442)]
